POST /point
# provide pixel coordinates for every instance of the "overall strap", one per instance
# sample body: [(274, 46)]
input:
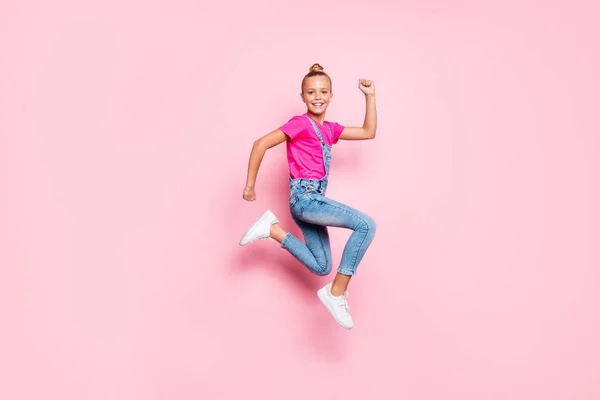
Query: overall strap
[(316, 128)]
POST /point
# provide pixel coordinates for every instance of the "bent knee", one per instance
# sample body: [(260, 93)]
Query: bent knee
[(372, 225), (322, 269), (368, 225)]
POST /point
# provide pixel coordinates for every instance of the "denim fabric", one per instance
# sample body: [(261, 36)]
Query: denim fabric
[(313, 212)]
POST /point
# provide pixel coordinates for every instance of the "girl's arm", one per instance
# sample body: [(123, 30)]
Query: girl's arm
[(258, 151), (369, 128)]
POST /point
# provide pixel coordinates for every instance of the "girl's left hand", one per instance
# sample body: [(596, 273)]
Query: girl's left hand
[(366, 86)]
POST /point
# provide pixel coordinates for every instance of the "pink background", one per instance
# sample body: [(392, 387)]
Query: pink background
[(125, 129)]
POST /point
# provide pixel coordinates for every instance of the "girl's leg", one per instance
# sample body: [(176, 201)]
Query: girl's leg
[(339, 286), (326, 212), (315, 253)]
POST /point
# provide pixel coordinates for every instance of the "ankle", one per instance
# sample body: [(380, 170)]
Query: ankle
[(277, 232), (275, 228), (337, 291)]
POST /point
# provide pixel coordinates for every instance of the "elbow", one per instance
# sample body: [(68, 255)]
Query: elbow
[(369, 131), (259, 145)]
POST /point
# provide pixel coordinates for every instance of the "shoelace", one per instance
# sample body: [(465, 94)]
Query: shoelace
[(343, 304)]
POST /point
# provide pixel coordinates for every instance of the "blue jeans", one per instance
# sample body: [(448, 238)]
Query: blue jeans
[(313, 212)]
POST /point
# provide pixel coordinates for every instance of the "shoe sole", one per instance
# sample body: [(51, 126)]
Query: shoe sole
[(244, 240), (322, 298)]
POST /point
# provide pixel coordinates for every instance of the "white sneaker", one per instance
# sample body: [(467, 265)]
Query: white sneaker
[(261, 229), (337, 306)]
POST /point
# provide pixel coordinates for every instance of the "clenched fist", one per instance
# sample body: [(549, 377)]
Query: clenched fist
[(366, 86), (249, 194)]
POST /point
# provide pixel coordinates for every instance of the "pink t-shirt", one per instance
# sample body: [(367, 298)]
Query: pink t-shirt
[(304, 153)]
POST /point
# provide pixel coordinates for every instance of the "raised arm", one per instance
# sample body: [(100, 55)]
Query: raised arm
[(369, 128), (258, 151)]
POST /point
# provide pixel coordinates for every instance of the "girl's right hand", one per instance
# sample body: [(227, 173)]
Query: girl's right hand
[(249, 194)]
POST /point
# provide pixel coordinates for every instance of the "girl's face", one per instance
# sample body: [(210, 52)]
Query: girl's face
[(316, 94)]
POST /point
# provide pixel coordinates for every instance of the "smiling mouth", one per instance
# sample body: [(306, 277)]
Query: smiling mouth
[(318, 104)]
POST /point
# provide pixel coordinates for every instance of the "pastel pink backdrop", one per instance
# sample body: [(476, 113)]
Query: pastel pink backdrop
[(125, 129)]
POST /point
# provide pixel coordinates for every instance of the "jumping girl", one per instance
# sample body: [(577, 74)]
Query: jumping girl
[(309, 139)]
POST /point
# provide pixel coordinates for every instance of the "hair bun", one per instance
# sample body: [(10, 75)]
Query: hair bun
[(316, 68)]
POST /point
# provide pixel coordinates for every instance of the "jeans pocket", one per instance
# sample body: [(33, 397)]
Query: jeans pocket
[(297, 204)]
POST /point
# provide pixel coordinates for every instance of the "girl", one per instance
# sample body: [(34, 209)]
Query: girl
[(309, 139)]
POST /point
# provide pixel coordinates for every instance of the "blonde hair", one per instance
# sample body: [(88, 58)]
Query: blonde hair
[(315, 70)]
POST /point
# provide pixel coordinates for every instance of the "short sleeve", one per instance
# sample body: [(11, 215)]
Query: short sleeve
[(293, 127), (337, 130)]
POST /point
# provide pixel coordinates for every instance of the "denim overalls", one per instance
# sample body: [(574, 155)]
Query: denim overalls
[(313, 213)]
